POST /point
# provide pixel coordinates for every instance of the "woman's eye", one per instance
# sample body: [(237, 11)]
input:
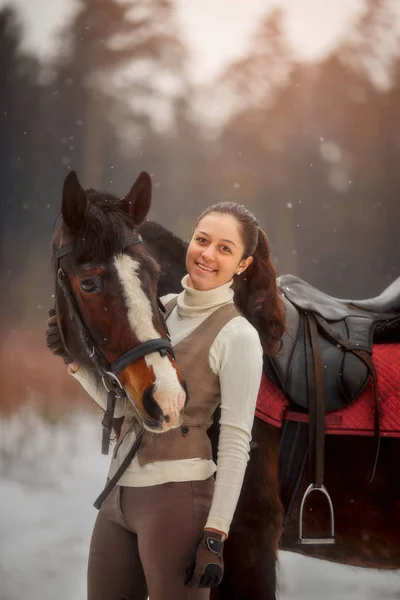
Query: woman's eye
[(201, 240), (225, 249), (89, 285)]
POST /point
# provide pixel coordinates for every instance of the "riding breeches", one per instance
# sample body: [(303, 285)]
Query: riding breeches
[(142, 541)]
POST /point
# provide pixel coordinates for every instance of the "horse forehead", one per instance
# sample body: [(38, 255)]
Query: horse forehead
[(140, 311), (126, 264)]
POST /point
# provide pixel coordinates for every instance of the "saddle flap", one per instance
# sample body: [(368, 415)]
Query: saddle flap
[(278, 368), (344, 373)]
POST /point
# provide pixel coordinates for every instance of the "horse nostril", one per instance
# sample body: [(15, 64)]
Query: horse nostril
[(167, 418), (151, 407)]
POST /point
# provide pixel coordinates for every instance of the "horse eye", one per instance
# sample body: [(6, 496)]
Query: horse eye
[(91, 285)]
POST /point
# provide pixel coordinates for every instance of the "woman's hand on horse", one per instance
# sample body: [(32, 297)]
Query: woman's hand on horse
[(53, 338), (206, 565)]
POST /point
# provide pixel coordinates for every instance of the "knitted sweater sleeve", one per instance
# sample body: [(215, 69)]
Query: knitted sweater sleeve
[(236, 357)]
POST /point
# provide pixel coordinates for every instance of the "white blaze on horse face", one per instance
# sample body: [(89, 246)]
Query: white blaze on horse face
[(168, 392)]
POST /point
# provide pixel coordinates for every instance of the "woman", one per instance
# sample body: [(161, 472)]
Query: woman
[(146, 536)]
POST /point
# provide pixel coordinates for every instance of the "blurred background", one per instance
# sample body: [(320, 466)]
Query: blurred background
[(291, 108)]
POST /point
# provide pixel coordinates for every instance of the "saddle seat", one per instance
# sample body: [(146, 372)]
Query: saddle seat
[(306, 297), (387, 302)]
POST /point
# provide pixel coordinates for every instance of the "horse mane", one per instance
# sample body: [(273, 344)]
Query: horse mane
[(103, 230)]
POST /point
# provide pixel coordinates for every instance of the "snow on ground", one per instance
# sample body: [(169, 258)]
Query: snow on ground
[(49, 478)]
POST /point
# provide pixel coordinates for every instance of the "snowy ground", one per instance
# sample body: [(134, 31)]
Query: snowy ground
[(49, 478)]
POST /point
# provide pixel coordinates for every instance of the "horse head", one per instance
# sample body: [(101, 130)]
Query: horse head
[(107, 303)]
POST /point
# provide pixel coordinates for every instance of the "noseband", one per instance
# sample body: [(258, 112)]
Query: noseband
[(107, 372)]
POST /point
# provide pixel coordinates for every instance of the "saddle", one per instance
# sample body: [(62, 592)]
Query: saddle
[(344, 331), (324, 364)]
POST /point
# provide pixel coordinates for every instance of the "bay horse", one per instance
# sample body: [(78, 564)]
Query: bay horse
[(107, 304), (367, 514)]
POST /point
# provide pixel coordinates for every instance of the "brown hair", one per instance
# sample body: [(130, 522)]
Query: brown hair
[(256, 293)]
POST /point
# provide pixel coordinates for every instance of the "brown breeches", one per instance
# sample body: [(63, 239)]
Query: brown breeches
[(142, 540)]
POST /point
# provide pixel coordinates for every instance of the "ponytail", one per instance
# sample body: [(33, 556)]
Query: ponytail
[(258, 298)]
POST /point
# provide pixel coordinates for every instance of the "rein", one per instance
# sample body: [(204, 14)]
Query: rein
[(106, 371)]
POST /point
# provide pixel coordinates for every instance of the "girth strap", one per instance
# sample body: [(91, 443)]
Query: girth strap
[(293, 453)]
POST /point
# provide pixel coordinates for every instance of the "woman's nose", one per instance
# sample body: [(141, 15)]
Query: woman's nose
[(209, 253)]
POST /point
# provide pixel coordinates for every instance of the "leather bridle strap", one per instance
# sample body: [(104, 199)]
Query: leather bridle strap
[(74, 315), (161, 345), (71, 247), (121, 470)]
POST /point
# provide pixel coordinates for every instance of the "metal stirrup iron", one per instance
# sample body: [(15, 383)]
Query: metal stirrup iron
[(323, 540)]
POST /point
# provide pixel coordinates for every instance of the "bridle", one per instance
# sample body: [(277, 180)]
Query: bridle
[(106, 371)]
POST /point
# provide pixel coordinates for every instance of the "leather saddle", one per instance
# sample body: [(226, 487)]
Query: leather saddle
[(324, 364), (344, 332)]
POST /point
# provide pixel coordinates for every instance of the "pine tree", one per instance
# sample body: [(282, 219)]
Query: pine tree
[(115, 55), (254, 79)]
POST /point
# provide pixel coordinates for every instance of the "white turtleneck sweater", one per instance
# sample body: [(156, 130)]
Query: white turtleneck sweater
[(236, 358)]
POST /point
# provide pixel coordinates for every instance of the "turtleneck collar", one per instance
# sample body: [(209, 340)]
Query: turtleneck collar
[(196, 303)]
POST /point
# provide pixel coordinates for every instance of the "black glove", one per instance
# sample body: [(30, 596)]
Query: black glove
[(53, 338), (206, 565)]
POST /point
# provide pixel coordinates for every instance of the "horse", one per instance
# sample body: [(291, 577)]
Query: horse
[(102, 270), (367, 515)]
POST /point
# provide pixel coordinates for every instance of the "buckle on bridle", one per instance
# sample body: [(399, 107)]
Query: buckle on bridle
[(114, 385)]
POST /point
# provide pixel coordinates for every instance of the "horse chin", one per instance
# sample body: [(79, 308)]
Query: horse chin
[(158, 429)]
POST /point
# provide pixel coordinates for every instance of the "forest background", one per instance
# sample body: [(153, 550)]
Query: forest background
[(312, 147)]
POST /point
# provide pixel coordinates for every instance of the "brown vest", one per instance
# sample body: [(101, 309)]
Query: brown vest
[(190, 440)]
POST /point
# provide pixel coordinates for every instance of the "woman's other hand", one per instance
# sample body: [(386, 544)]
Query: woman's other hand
[(54, 341)]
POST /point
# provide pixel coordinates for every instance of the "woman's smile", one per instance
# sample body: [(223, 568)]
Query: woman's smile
[(205, 269)]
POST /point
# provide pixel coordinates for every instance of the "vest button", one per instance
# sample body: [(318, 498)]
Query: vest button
[(184, 430)]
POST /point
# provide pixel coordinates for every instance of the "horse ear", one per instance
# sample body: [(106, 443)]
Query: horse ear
[(73, 202), (137, 202)]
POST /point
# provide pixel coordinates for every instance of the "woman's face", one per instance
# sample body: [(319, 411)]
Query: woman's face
[(215, 252)]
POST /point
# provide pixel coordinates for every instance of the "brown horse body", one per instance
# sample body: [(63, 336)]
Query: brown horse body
[(367, 515)]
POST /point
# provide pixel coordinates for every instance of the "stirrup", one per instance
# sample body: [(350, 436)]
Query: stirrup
[(323, 540)]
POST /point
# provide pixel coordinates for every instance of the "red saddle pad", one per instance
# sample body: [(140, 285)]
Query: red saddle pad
[(358, 417)]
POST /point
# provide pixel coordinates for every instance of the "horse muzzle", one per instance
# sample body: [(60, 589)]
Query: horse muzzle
[(160, 411)]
